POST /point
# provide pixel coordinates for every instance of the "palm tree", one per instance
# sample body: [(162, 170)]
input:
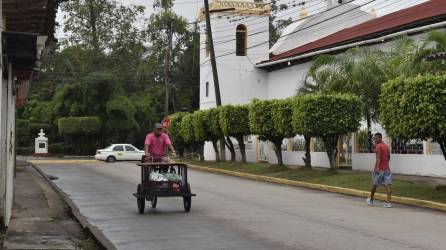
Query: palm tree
[(359, 71), (408, 58)]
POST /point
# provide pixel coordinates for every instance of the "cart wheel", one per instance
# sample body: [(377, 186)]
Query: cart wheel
[(154, 201), (140, 200), (187, 200)]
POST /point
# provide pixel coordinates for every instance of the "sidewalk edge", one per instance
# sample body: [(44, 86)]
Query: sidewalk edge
[(332, 189), (97, 234)]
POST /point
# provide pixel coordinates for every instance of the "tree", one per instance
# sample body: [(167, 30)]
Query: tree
[(97, 24), (358, 71), (276, 26), (270, 120), (407, 57), (414, 108), (188, 134), (175, 132), (234, 122), (207, 128), (327, 117), (80, 131)]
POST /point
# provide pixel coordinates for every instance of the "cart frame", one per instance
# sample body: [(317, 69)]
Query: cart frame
[(150, 190)]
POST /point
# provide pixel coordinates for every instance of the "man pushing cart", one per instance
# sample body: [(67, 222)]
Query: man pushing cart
[(159, 177), (157, 144)]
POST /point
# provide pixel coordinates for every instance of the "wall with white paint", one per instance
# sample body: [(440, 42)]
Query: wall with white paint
[(240, 81), (410, 164)]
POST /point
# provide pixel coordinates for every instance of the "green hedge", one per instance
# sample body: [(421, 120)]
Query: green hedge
[(234, 120), (79, 125), (319, 115), (175, 128), (35, 128), (56, 148), (271, 119), (24, 150), (327, 117), (187, 129), (414, 108)]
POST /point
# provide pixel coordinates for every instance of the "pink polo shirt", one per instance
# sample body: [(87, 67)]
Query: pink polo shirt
[(157, 145)]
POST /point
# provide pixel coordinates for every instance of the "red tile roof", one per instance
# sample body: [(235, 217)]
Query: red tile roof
[(385, 24)]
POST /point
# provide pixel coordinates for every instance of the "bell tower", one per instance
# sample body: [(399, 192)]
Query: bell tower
[(240, 31)]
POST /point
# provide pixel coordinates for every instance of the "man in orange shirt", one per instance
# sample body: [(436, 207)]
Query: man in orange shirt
[(381, 173)]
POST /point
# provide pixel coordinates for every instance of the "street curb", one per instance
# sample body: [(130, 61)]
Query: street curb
[(332, 189), (56, 161), (96, 232)]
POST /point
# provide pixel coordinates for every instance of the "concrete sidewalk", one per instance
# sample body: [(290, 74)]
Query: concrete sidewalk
[(40, 218)]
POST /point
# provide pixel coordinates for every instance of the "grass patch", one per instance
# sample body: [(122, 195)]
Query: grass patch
[(354, 180)]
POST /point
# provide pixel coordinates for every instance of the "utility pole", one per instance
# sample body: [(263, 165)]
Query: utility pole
[(214, 71), (167, 67)]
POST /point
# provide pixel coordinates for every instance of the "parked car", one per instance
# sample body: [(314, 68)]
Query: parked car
[(119, 152)]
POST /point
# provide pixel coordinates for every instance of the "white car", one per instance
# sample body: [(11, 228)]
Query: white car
[(119, 152)]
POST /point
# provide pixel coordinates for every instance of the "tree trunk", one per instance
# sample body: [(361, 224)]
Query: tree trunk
[(241, 144), (222, 143), (307, 158), (369, 134), (201, 151), (278, 151), (443, 147), (230, 146), (331, 143), (217, 154), (181, 150)]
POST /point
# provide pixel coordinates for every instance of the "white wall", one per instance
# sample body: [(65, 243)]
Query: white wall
[(294, 158), (240, 81), (410, 164), (286, 82)]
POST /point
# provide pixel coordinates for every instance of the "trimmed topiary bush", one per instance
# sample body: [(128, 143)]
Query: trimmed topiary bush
[(327, 117), (271, 120), (175, 132), (414, 108), (79, 125), (234, 122)]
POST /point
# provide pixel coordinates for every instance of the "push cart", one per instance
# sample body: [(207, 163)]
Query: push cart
[(155, 183)]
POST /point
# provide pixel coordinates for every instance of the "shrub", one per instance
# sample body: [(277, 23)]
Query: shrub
[(270, 120), (24, 137), (24, 150), (234, 121), (56, 148), (187, 129), (79, 125), (35, 128), (327, 117), (175, 131), (414, 108)]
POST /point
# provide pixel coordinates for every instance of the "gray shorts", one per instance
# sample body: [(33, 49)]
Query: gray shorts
[(382, 178)]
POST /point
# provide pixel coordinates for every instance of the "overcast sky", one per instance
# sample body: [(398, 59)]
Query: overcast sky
[(189, 8)]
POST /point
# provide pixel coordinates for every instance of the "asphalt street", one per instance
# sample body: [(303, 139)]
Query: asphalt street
[(234, 213)]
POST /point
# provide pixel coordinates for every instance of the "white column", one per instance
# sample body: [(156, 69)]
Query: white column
[(3, 119), (10, 149)]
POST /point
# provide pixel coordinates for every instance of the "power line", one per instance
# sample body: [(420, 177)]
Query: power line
[(307, 27), (328, 26)]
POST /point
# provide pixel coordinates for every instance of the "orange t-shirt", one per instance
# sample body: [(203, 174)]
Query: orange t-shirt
[(384, 153)]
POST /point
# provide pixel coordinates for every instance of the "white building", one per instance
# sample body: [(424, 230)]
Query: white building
[(24, 29), (248, 69)]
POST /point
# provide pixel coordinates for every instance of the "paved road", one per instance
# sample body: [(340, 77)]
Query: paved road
[(233, 213)]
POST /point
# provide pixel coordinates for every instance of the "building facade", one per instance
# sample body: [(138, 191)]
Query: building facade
[(25, 29), (279, 72)]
